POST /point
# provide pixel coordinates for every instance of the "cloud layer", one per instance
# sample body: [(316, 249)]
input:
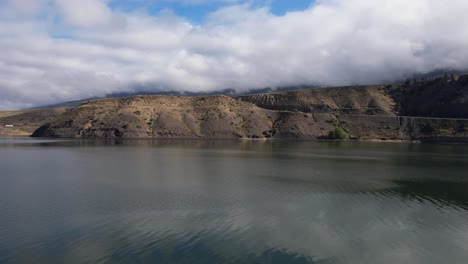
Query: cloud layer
[(57, 50)]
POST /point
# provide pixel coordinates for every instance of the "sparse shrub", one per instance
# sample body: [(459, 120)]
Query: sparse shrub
[(270, 133), (137, 112), (338, 133), (334, 122)]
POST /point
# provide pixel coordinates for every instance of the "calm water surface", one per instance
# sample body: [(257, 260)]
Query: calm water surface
[(144, 201)]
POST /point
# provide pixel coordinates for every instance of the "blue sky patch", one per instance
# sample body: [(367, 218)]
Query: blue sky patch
[(197, 12)]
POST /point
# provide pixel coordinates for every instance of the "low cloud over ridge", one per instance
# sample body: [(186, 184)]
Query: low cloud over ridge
[(56, 50)]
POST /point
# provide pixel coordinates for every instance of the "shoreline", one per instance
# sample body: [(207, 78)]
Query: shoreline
[(460, 141)]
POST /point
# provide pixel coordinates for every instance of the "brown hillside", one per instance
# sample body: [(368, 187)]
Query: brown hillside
[(26, 121), (361, 112), (355, 100)]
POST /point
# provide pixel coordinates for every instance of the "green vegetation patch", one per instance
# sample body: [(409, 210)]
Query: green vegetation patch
[(270, 133), (338, 133)]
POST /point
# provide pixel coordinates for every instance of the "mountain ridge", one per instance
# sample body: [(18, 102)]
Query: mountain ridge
[(414, 110)]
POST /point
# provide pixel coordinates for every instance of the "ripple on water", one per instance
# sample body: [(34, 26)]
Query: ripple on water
[(212, 203)]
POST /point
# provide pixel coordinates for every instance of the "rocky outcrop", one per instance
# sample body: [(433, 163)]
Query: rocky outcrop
[(349, 100)]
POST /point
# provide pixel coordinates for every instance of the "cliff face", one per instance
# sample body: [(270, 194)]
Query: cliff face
[(445, 97), (349, 100), (371, 112)]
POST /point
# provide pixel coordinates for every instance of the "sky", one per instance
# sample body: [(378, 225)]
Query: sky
[(53, 51)]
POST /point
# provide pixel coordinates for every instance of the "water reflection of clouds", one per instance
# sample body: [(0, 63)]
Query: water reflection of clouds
[(182, 204), (341, 229)]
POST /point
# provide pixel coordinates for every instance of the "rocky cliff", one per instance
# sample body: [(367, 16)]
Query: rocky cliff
[(424, 110)]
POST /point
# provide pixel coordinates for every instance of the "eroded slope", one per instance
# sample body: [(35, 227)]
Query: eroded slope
[(400, 111)]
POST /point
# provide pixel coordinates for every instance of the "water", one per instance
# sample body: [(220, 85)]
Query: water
[(144, 201)]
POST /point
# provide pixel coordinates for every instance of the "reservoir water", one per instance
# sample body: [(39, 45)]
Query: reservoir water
[(182, 201)]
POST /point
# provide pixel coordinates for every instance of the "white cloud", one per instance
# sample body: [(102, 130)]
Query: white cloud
[(26, 7), (85, 12), (334, 42), (202, 2)]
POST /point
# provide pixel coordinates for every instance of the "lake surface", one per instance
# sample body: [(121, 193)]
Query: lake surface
[(148, 201)]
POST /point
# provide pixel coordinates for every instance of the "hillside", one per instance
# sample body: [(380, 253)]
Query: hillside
[(27, 121), (177, 117), (440, 97), (444, 97), (352, 100), (433, 109)]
